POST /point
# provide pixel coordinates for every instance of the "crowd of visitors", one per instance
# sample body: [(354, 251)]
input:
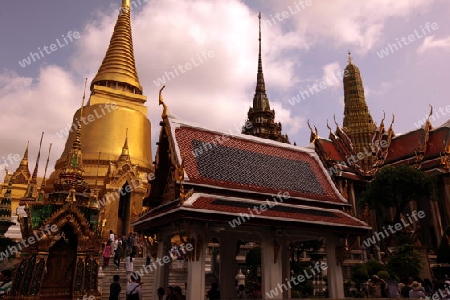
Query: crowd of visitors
[(407, 288), (171, 293)]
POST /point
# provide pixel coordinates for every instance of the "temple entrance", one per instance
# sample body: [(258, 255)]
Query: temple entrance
[(123, 213), (58, 278)]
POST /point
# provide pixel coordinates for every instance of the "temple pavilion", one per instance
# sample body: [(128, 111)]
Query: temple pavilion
[(212, 186)]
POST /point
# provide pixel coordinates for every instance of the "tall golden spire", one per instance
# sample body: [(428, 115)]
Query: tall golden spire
[(358, 123), (118, 66), (261, 119)]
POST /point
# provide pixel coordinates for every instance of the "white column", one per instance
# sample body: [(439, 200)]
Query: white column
[(227, 267), (334, 271), (196, 268), (161, 273), (272, 272)]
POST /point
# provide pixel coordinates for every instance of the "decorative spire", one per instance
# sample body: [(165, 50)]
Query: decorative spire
[(22, 174), (118, 66), (125, 156), (71, 177), (42, 192), (36, 167), (260, 100), (32, 186), (261, 119), (350, 62)]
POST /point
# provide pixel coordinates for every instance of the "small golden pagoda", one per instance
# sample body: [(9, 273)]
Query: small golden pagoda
[(261, 119)]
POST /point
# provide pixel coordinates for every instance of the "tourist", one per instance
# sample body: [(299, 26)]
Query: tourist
[(129, 243), (118, 254), (129, 265), (169, 293), (111, 236), (115, 244), (374, 287), (6, 282), (214, 293), (115, 288), (134, 291), (107, 254), (241, 292), (417, 291), (135, 244), (160, 293), (178, 293), (392, 288), (404, 291)]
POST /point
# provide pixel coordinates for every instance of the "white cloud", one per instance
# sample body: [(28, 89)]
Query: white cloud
[(430, 43), (332, 74)]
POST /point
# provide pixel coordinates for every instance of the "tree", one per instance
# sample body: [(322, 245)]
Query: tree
[(443, 252), (395, 186), (405, 262)]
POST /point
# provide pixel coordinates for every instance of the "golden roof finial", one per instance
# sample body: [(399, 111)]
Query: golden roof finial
[(350, 60), (161, 102), (118, 65)]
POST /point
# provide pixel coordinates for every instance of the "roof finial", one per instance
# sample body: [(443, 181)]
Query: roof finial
[(161, 102), (125, 3), (41, 192), (350, 60), (259, 53)]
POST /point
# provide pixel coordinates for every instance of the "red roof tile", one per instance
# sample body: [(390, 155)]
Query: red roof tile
[(252, 164)]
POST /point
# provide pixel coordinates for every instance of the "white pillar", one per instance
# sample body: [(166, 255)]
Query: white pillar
[(196, 267), (227, 267), (161, 273), (272, 272), (334, 271)]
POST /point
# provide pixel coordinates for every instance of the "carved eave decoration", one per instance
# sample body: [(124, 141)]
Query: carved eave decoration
[(381, 153), (445, 157), (70, 214), (314, 135)]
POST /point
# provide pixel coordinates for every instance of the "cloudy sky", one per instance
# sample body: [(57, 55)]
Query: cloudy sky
[(401, 47)]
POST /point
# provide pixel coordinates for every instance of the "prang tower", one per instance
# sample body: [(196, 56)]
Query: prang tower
[(117, 141), (358, 123), (261, 117)]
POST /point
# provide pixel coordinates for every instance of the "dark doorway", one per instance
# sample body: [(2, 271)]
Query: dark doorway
[(58, 280), (124, 210)]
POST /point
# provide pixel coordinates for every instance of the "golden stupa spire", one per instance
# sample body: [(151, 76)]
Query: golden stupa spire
[(118, 66), (22, 169)]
